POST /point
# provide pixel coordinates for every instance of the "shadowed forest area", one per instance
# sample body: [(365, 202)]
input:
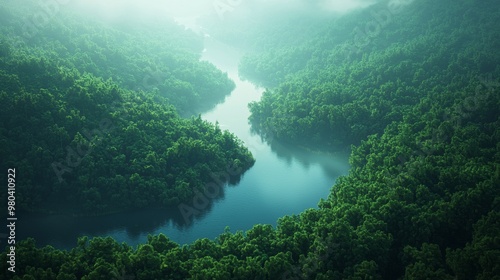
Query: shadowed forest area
[(105, 120)]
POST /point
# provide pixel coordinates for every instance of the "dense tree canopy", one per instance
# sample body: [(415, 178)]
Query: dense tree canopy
[(137, 55), (421, 200), (333, 90), (89, 144)]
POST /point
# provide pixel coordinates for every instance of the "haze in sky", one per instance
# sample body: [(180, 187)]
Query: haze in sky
[(180, 8)]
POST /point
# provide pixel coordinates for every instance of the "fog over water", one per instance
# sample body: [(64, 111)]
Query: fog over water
[(284, 181), (250, 139)]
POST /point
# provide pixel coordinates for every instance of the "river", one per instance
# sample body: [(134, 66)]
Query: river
[(284, 181)]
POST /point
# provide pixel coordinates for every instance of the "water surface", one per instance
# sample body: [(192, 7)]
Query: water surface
[(284, 181)]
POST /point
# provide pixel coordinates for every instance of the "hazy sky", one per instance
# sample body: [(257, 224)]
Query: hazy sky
[(345, 6), (192, 8)]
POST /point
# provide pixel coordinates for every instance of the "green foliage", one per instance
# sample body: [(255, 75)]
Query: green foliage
[(88, 145), (155, 56), (421, 200), (330, 90)]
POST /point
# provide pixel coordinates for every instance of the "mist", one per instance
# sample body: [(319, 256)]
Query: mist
[(116, 10), (250, 139)]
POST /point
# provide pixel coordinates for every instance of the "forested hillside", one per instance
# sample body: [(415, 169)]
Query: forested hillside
[(332, 91), (155, 56), (420, 101), (84, 142)]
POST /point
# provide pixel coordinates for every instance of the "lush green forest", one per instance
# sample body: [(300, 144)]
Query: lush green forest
[(156, 56), (419, 99), (89, 144), (332, 92)]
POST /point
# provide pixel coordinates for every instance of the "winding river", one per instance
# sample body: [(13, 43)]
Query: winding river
[(283, 181)]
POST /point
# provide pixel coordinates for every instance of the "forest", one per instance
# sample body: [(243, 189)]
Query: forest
[(326, 96), (93, 145), (417, 100), (158, 56)]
